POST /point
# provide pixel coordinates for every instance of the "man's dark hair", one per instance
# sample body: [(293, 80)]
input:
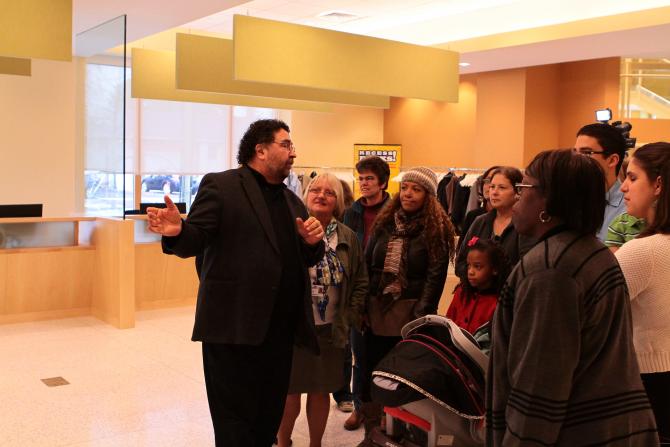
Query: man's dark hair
[(574, 187), (609, 138), (259, 132), (654, 159), (378, 167)]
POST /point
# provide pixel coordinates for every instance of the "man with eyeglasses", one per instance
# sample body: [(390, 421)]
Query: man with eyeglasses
[(607, 146), (253, 243), (373, 178)]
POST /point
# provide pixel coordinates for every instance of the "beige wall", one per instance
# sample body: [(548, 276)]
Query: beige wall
[(586, 86), (37, 120), (508, 116), (434, 133), (327, 139), (500, 118), (541, 112)]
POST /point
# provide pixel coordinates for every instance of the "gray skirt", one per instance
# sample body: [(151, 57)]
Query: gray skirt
[(322, 373)]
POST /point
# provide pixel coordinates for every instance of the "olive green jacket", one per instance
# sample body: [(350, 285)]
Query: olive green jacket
[(354, 288)]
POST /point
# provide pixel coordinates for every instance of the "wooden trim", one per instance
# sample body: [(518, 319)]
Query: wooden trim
[(113, 299), (45, 315), (45, 249), (12, 220), (161, 304)]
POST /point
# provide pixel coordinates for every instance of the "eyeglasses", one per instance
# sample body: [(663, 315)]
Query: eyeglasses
[(286, 144), (586, 151), (326, 192), (518, 187), (486, 181)]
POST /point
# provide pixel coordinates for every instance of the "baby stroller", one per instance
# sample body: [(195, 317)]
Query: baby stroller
[(432, 387)]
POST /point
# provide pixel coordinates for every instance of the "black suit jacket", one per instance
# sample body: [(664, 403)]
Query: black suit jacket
[(239, 264)]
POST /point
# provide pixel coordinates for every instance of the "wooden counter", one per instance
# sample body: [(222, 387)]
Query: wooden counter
[(102, 271)]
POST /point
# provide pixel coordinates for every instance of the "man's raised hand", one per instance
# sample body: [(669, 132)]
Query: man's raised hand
[(310, 230), (165, 221)]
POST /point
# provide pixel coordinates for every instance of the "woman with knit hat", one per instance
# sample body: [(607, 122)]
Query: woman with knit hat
[(407, 256)]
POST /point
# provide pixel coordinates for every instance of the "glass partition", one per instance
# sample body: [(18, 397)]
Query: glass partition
[(37, 234), (107, 120)]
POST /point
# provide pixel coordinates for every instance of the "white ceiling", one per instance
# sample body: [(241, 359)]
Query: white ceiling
[(145, 17), (424, 22), (427, 22)]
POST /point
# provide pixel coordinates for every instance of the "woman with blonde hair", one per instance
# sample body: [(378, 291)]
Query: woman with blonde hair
[(339, 286)]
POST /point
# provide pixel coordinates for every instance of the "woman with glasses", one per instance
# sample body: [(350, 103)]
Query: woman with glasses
[(497, 224), (407, 256), (483, 193), (645, 262), (339, 287), (562, 369)]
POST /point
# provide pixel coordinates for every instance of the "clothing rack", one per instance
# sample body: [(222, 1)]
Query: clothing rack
[(448, 169), (345, 173)]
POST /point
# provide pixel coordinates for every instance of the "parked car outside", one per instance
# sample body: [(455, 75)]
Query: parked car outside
[(165, 183)]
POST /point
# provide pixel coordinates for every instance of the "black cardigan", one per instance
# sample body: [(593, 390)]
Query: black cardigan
[(425, 279)]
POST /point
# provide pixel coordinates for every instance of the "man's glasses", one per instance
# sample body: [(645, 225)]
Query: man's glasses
[(326, 192), (518, 187), (586, 151), (286, 144)]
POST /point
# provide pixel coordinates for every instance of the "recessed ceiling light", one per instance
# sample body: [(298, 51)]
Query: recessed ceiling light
[(464, 64), (338, 16)]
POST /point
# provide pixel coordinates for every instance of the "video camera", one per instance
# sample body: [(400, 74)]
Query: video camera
[(605, 115)]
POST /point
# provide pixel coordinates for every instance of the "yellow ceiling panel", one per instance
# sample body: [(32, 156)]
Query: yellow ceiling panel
[(153, 77), (206, 64), (39, 29), (288, 54), (15, 66)]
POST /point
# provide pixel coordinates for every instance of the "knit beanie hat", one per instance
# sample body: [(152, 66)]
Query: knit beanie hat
[(424, 177)]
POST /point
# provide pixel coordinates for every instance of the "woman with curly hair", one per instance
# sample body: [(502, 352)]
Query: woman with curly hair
[(407, 256)]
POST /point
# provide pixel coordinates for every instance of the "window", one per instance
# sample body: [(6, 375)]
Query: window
[(103, 174), (170, 145), (645, 88)]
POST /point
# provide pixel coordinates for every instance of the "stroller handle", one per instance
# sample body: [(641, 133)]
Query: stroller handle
[(464, 343)]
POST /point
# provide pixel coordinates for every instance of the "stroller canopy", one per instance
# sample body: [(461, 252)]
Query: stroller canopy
[(435, 360)]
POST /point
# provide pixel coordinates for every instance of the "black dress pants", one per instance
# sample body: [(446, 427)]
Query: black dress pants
[(376, 348), (657, 386), (246, 390)]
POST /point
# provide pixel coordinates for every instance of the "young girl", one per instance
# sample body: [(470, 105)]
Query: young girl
[(475, 300)]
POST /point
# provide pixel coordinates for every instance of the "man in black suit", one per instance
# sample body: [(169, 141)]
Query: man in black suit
[(254, 243)]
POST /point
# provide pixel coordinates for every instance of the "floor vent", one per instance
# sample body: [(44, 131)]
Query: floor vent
[(55, 381)]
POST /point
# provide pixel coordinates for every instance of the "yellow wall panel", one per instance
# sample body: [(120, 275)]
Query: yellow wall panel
[(205, 63), (36, 29), (15, 66), (154, 78), (289, 54)]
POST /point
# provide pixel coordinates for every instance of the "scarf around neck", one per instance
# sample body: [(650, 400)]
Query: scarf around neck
[(394, 276), (329, 270)]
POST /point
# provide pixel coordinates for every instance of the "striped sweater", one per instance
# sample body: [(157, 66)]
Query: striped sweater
[(563, 370)]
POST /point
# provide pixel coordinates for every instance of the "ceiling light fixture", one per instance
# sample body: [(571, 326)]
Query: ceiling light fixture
[(338, 16), (464, 64)]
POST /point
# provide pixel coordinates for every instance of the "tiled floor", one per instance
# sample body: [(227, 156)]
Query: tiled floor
[(135, 387)]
